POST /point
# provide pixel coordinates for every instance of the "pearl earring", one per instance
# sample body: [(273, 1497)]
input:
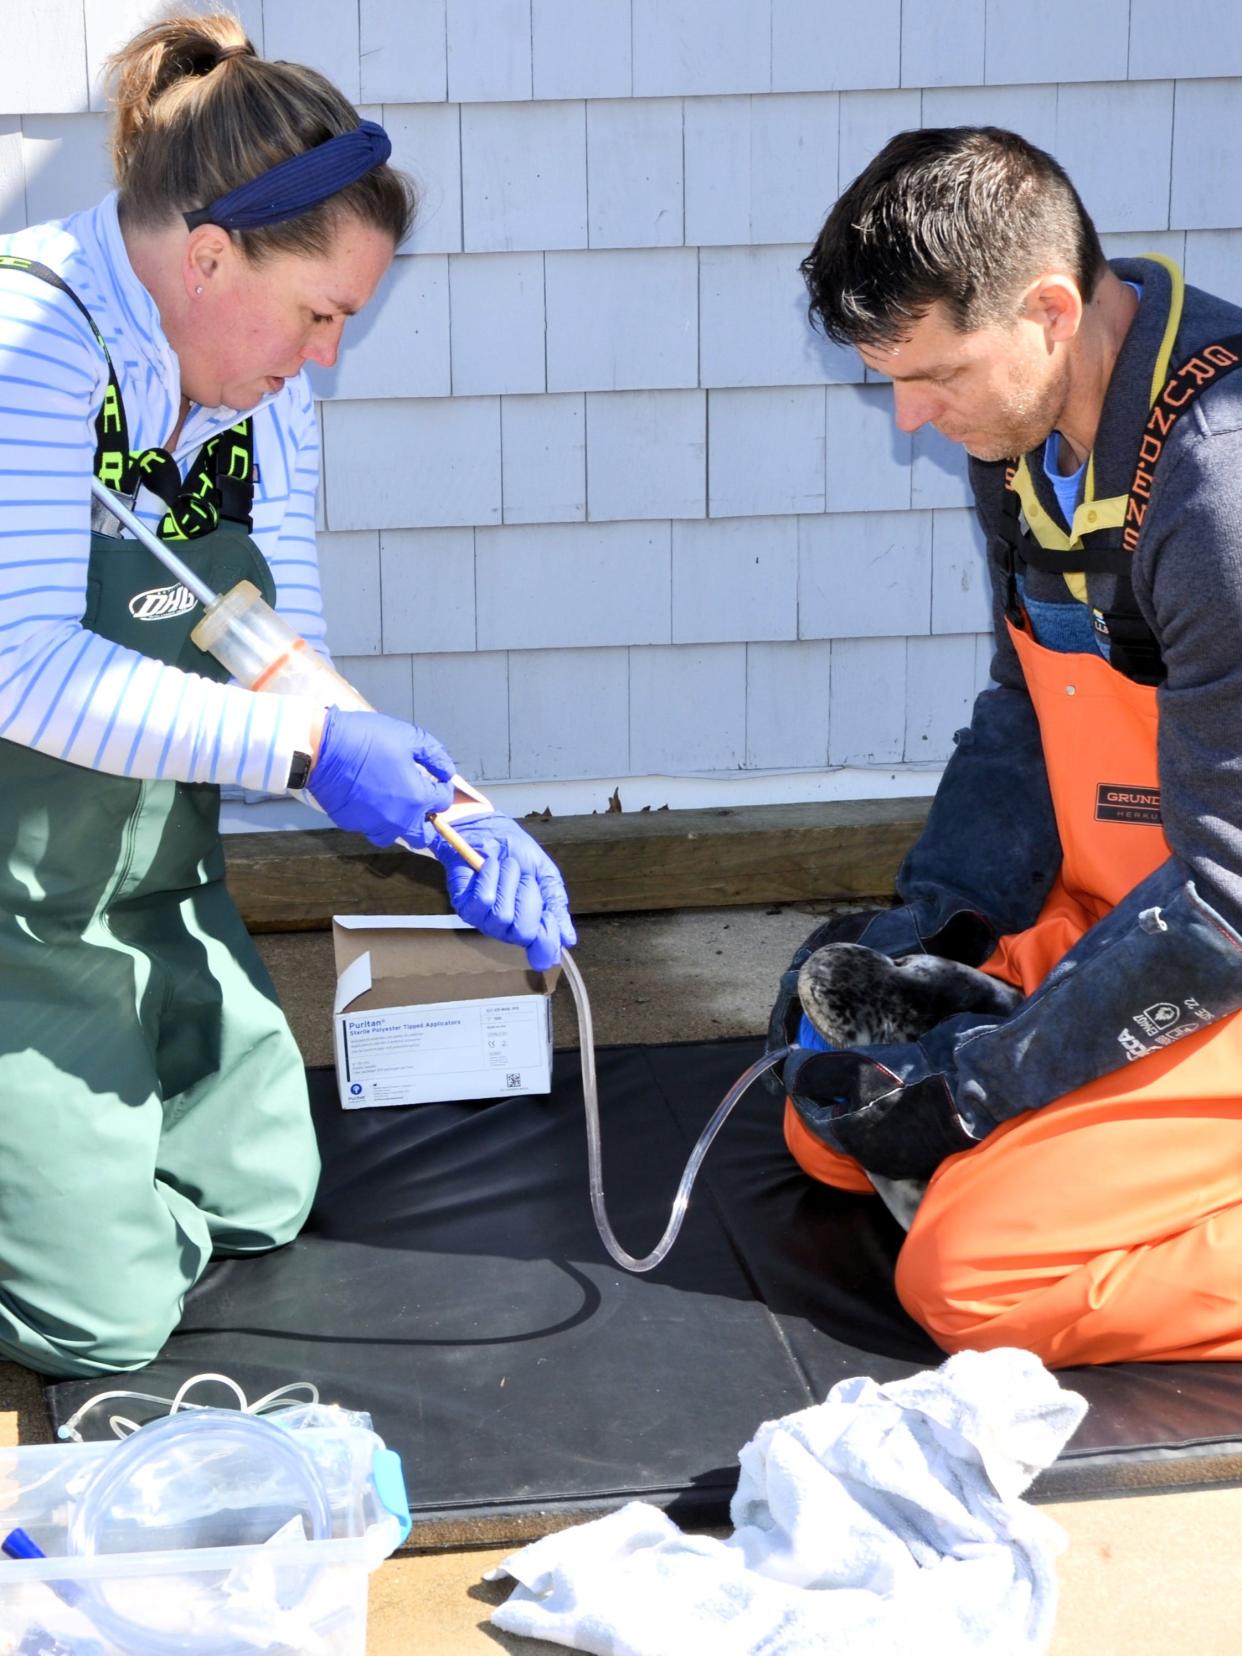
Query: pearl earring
[(198, 290)]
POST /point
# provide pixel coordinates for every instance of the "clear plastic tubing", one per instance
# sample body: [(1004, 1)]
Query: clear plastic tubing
[(262, 651), (595, 1158)]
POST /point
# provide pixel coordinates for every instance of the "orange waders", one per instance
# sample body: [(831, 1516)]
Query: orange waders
[(1107, 1226)]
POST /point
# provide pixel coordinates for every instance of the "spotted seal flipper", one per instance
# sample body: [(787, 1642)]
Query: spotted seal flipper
[(856, 997)]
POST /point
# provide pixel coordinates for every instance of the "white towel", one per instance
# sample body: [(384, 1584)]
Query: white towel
[(885, 1519)]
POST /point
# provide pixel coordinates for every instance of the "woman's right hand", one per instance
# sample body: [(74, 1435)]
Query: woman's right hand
[(380, 777)]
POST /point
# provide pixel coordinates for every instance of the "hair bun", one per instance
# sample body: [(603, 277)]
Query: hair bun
[(184, 137)]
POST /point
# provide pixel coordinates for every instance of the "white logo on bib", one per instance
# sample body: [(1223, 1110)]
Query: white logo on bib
[(161, 603)]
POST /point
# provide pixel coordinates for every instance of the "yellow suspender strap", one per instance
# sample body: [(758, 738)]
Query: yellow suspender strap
[(1107, 513), (1177, 299), (1093, 514)]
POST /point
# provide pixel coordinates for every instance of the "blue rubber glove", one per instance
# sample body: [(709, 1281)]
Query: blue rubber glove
[(380, 776), (517, 896)]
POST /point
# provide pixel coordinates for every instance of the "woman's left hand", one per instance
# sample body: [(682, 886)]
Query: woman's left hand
[(517, 896)]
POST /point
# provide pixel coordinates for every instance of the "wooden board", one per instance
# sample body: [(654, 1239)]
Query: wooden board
[(614, 863)]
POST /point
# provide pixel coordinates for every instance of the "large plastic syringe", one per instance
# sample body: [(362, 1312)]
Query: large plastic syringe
[(241, 630), (260, 650), (264, 653)]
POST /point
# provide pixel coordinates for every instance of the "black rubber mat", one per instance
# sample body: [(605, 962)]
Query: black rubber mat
[(452, 1283)]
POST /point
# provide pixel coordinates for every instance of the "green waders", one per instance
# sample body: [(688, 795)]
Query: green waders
[(153, 1105)]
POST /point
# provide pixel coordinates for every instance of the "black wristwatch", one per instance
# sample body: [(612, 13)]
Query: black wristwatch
[(299, 771)]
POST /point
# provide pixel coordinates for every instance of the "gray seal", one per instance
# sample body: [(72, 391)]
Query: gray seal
[(856, 997)]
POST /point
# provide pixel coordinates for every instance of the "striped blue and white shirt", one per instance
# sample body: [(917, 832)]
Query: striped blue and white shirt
[(63, 689)]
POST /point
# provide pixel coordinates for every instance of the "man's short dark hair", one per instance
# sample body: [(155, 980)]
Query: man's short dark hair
[(964, 215)]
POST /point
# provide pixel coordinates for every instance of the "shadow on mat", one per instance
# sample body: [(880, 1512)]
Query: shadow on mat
[(508, 1179)]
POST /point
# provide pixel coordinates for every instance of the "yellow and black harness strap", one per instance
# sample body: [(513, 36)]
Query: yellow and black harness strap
[(220, 481)]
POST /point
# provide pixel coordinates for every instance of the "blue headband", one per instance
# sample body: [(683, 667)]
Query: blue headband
[(295, 186)]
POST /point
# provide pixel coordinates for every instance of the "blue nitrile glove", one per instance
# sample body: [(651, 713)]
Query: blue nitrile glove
[(517, 896), (380, 776)]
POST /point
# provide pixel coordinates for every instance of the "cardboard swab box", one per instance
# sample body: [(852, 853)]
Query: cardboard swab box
[(429, 1010)]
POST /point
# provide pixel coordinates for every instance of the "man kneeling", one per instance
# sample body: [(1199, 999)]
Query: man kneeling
[(1081, 1147)]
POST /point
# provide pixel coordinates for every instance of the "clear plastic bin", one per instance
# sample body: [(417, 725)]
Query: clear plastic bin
[(313, 1592)]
